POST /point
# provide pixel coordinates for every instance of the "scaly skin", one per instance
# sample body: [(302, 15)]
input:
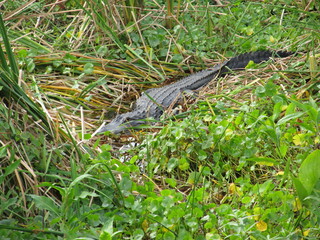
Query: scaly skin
[(154, 101)]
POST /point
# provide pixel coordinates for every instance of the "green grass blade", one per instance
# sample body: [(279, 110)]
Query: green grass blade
[(102, 23), (28, 42), (9, 81), (144, 61), (14, 68)]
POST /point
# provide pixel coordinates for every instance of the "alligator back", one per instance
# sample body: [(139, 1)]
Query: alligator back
[(201, 78), (242, 60)]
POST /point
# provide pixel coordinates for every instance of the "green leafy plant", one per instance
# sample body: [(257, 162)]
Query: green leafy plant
[(308, 179)]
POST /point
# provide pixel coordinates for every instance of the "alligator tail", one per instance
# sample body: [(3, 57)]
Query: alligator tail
[(242, 60)]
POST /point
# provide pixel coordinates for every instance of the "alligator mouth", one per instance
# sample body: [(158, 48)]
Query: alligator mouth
[(113, 128), (116, 128)]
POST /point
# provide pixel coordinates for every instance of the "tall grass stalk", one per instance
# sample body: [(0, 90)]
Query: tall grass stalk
[(9, 81)]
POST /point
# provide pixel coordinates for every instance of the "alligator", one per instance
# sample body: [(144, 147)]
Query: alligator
[(155, 101)]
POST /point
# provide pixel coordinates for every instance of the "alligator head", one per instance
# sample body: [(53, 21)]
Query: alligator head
[(123, 122)]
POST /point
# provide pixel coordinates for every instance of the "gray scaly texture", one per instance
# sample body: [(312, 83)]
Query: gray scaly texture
[(154, 101)]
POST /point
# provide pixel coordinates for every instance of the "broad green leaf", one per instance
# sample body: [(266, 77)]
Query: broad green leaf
[(85, 194), (9, 169), (105, 236), (213, 236), (45, 203), (172, 163), (3, 150), (289, 117), (301, 191), (9, 202), (79, 179), (183, 164), (276, 110), (192, 178), (298, 139), (171, 181), (290, 109), (138, 234), (61, 190), (309, 172), (263, 161), (169, 235), (309, 109), (108, 226), (283, 150)]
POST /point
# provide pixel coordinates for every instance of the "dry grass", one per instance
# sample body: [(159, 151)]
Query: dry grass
[(85, 100)]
